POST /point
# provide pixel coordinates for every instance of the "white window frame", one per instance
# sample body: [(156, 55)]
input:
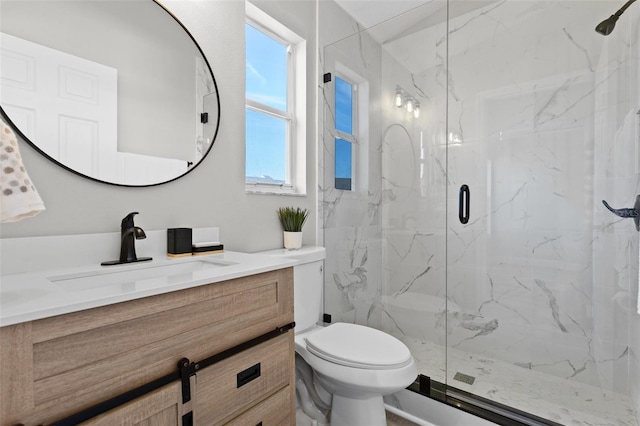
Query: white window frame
[(296, 115), (360, 127)]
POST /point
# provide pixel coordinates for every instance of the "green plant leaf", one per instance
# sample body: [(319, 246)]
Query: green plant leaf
[(292, 218)]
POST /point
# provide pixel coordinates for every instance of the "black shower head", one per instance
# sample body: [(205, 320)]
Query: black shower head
[(606, 27)]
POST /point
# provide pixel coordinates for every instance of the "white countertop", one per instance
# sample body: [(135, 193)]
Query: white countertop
[(28, 296)]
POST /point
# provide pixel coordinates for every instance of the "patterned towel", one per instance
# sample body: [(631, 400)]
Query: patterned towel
[(19, 199)]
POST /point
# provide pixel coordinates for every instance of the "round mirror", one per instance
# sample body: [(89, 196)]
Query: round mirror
[(116, 91)]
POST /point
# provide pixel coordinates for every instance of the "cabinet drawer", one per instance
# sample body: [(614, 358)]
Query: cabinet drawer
[(273, 411), (232, 386)]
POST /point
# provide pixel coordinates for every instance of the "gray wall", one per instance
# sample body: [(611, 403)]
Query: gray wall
[(213, 194)]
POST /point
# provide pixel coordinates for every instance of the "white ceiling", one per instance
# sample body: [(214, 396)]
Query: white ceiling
[(405, 27), (390, 20), (372, 12)]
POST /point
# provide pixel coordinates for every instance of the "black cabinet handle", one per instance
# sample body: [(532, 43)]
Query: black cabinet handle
[(248, 375), (463, 204)]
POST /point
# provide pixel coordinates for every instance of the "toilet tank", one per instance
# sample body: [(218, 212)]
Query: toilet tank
[(308, 284)]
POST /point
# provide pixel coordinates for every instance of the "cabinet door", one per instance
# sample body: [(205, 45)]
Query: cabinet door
[(229, 388), (162, 407)]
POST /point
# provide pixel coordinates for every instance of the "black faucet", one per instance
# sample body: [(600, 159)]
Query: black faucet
[(129, 233)]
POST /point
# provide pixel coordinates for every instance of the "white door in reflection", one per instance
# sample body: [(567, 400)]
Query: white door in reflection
[(67, 103)]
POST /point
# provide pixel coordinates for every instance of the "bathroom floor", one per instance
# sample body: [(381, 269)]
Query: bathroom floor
[(550, 397)]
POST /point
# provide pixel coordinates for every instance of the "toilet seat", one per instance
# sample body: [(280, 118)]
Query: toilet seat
[(358, 346)]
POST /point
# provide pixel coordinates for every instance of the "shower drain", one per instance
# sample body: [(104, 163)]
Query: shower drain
[(464, 378)]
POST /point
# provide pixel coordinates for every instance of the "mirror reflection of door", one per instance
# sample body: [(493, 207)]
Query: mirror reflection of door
[(37, 80), (210, 107), (206, 109), (112, 90)]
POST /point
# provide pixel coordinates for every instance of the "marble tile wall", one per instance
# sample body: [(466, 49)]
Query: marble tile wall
[(541, 122), (351, 224), (542, 129)]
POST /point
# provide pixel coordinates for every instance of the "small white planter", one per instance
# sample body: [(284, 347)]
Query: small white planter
[(292, 240)]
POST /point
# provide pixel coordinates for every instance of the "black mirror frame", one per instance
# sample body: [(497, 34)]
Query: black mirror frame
[(15, 128)]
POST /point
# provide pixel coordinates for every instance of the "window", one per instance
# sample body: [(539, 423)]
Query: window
[(350, 92), (275, 106), (350, 130), (344, 107)]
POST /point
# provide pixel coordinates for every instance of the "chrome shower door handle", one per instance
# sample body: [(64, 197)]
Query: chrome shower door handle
[(633, 213)]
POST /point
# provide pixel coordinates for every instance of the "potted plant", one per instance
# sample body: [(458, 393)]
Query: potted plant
[(292, 220)]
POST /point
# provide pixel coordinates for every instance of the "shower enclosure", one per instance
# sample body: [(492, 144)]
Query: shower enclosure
[(474, 230)]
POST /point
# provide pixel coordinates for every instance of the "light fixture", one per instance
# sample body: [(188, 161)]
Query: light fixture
[(399, 98), (403, 99), (409, 105)]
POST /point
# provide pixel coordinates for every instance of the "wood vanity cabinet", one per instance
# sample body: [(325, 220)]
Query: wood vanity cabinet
[(162, 407), (55, 367)]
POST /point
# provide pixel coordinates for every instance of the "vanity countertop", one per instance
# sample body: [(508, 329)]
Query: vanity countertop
[(28, 296)]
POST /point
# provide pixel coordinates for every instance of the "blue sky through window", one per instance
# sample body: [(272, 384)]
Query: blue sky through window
[(344, 123), (266, 69), (343, 164), (344, 106), (266, 136), (266, 83)]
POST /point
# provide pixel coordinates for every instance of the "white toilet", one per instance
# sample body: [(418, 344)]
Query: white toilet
[(353, 366)]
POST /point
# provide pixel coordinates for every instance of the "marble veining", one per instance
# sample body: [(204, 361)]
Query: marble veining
[(539, 289), (543, 395)]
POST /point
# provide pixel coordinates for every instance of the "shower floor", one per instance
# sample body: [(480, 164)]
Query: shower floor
[(550, 397)]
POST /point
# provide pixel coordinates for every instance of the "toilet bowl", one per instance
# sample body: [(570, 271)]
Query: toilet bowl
[(355, 365)]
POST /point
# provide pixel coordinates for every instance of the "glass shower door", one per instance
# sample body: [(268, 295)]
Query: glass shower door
[(530, 305), (542, 280)]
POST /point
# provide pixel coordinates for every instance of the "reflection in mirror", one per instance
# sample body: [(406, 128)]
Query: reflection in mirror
[(117, 91)]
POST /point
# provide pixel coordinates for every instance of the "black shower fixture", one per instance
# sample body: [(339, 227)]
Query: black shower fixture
[(606, 27)]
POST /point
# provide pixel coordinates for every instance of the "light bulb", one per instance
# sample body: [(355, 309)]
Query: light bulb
[(416, 110), (409, 105), (398, 98)]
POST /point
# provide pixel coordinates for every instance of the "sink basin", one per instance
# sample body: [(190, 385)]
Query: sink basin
[(138, 277)]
